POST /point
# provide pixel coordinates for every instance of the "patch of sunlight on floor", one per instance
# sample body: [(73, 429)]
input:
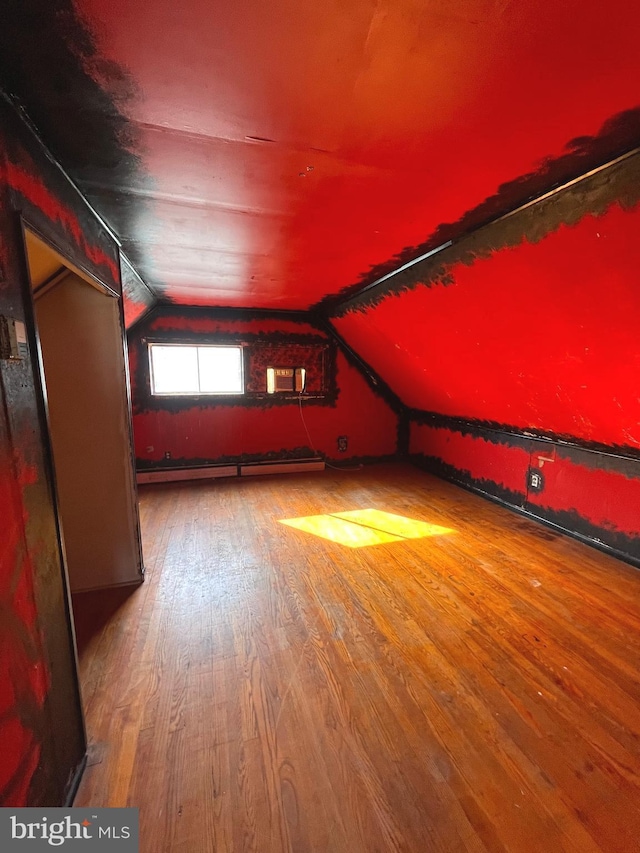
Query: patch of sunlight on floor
[(362, 527), (341, 531), (398, 525)]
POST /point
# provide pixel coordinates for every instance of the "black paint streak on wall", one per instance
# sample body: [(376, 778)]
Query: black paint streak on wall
[(570, 522), (601, 459), (588, 452), (435, 465), (624, 547), (50, 66), (191, 336), (46, 52), (478, 235)]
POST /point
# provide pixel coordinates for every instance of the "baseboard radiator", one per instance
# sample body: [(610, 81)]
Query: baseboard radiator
[(249, 469)]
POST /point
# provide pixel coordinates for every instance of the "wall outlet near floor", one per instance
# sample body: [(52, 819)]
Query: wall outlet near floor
[(167, 454), (535, 480), (343, 443)]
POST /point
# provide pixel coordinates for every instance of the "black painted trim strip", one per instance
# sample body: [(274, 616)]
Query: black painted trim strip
[(140, 287), (374, 380), (189, 336), (480, 428), (618, 137), (425, 256), (432, 267), (165, 307)]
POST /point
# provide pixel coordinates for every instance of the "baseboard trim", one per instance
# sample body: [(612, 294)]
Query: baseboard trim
[(174, 475), (293, 467), (240, 469)]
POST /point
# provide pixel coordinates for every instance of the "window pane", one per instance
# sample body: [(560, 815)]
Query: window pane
[(175, 370), (220, 370)]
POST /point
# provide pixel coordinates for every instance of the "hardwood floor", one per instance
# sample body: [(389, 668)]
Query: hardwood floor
[(270, 690)]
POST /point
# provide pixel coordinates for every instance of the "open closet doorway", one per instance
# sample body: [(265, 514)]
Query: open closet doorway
[(84, 382)]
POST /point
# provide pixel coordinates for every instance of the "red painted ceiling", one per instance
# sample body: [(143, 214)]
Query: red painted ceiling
[(288, 146)]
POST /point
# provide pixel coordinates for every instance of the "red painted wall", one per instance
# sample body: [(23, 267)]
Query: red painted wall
[(592, 494), (526, 329), (500, 466), (254, 429), (537, 336)]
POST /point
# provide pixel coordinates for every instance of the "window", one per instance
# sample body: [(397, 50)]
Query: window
[(177, 369)]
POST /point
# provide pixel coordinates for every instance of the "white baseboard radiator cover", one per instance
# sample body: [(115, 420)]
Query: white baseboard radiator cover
[(210, 472), (172, 475), (295, 466)]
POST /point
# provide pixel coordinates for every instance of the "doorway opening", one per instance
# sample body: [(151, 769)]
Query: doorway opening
[(83, 376)]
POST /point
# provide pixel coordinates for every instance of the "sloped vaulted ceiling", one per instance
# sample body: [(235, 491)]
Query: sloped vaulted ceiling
[(275, 154)]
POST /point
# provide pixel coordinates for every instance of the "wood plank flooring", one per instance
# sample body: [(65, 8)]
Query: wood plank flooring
[(270, 690)]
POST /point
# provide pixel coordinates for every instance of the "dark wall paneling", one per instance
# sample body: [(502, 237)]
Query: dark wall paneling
[(591, 494), (41, 732), (201, 430)]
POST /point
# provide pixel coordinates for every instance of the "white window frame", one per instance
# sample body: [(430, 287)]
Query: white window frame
[(196, 347)]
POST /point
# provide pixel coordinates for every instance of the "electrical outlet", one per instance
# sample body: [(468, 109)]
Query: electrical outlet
[(343, 443), (167, 454), (535, 480)]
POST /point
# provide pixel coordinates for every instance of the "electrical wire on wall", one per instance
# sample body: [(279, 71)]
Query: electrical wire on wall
[(313, 447)]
